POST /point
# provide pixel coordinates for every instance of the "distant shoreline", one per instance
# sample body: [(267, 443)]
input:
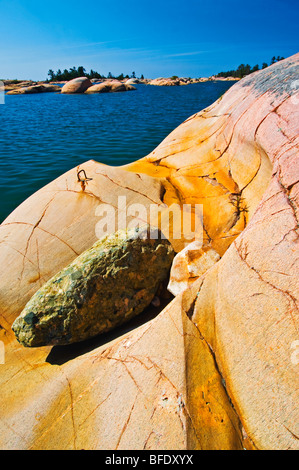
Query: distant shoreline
[(16, 85)]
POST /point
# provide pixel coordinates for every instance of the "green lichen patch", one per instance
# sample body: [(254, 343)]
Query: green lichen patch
[(107, 285)]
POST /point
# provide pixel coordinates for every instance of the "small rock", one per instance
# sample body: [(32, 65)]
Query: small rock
[(189, 264)]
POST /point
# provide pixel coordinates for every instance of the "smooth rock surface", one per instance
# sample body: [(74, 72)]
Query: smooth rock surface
[(99, 88), (110, 87), (61, 221), (241, 153), (77, 85)]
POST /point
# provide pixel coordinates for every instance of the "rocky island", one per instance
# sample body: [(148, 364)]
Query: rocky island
[(85, 85), (217, 368)]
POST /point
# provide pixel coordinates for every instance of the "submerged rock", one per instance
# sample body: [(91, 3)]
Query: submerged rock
[(105, 286)]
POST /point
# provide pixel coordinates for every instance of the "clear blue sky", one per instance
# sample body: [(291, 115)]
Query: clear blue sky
[(162, 38)]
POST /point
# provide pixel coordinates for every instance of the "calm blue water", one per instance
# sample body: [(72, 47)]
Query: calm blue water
[(43, 136)]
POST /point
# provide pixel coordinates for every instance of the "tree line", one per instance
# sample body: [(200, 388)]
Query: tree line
[(74, 72), (244, 70)]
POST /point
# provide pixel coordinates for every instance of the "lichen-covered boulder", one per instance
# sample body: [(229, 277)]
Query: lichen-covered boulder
[(105, 286)]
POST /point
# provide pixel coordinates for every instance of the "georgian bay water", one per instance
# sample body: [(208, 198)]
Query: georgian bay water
[(44, 135)]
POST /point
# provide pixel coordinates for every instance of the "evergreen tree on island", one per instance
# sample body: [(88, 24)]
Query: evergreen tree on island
[(244, 70)]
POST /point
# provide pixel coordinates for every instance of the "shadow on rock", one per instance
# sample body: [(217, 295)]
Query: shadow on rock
[(59, 355)]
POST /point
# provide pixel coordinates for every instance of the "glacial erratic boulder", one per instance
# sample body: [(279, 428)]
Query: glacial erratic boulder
[(112, 86), (98, 88), (104, 287), (77, 85), (116, 86)]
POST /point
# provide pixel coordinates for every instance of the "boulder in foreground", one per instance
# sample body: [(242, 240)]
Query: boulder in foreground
[(104, 287)]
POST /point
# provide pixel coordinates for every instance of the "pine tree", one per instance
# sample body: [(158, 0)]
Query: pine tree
[(51, 75)]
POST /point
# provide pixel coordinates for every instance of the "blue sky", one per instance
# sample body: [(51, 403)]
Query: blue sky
[(162, 38)]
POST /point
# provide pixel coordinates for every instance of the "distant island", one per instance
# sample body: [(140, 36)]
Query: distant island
[(76, 72), (73, 72), (102, 84), (244, 70)]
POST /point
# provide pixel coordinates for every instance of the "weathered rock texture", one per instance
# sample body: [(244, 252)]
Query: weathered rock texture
[(239, 158), (30, 90), (190, 264), (164, 82), (15, 84), (180, 81), (77, 85), (215, 369), (54, 226), (104, 287), (112, 86)]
